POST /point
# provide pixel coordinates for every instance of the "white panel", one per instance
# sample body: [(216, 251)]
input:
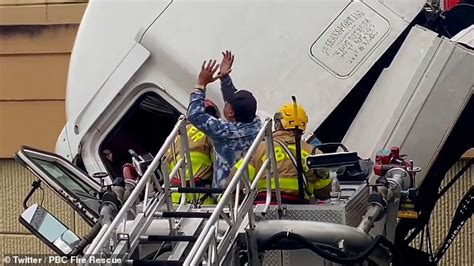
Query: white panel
[(395, 85), (465, 36), (416, 102), (403, 8), (272, 43), (101, 98), (107, 32), (353, 35)]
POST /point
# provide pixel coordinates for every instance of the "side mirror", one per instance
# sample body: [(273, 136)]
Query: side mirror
[(49, 230)]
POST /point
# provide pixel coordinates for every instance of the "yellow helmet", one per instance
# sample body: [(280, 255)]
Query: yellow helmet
[(292, 115)]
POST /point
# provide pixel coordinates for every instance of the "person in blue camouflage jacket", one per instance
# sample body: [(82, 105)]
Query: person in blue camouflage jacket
[(231, 138)]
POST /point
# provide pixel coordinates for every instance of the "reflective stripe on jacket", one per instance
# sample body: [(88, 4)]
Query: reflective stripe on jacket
[(200, 147), (200, 150), (288, 175)]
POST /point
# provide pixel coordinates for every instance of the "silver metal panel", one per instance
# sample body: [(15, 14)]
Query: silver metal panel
[(416, 101), (347, 212), (332, 215), (388, 93), (465, 36)]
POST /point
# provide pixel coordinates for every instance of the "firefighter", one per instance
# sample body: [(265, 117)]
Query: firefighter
[(287, 121), (201, 150)]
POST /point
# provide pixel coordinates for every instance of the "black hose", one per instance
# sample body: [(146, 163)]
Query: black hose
[(34, 186), (322, 251), (299, 166), (86, 240), (464, 211), (455, 178), (420, 225)]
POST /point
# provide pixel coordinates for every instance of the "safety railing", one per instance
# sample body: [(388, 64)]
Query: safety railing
[(150, 205), (208, 241)]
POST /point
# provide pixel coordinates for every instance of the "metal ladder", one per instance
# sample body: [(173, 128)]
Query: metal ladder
[(121, 237), (212, 249)]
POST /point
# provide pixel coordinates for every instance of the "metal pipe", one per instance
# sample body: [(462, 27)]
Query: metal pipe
[(175, 169), (320, 232), (227, 194), (185, 153), (136, 192), (150, 205), (166, 189), (96, 239), (203, 246), (106, 213), (259, 175), (254, 185), (236, 202), (271, 153), (246, 180), (226, 219), (86, 240), (268, 197), (370, 218), (145, 200)]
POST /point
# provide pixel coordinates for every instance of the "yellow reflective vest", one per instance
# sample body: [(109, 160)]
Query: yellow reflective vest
[(200, 147), (288, 175)]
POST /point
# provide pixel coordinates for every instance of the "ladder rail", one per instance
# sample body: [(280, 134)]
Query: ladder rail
[(207, 237), (185, 153), (179, 129)]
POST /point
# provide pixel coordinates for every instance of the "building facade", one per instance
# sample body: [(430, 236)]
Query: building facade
[(36, 38)]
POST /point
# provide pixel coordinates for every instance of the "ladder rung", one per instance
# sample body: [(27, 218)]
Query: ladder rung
[(157, 262), (204, 215), (164, 238), (200, 190)]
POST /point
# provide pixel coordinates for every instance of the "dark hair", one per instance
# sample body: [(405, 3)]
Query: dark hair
[(244, 106)]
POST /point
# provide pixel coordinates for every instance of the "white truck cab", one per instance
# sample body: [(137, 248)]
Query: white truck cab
[(125, 51)]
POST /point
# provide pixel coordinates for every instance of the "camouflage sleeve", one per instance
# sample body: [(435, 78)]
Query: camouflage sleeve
[(227, 88), (211, 126)]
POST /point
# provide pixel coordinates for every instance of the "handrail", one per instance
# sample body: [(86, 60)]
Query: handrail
[(144, 180), (246, 208)]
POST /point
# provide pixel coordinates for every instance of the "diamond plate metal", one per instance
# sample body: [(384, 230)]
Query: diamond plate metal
[(272, 258), (349, 213)]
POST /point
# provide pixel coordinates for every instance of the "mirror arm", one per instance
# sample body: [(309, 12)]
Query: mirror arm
[(86, 240), (34, 186)]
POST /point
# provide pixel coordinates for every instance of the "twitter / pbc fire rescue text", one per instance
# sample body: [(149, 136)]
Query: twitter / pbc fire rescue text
[(36, 259)]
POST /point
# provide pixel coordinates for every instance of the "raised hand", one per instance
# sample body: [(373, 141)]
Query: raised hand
[(206, 75), (226, 63)]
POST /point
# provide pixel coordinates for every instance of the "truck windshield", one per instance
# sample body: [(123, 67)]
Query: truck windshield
[(71, 183), (143, 128)]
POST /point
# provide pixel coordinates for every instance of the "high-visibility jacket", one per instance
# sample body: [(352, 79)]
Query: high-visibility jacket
[(287, 172), (200, 147)]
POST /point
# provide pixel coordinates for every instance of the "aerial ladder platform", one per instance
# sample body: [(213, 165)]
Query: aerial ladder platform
[(190, 234), (193, 230), (147, 228)]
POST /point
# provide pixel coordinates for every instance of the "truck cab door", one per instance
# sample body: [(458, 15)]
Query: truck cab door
[(76, 188)]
